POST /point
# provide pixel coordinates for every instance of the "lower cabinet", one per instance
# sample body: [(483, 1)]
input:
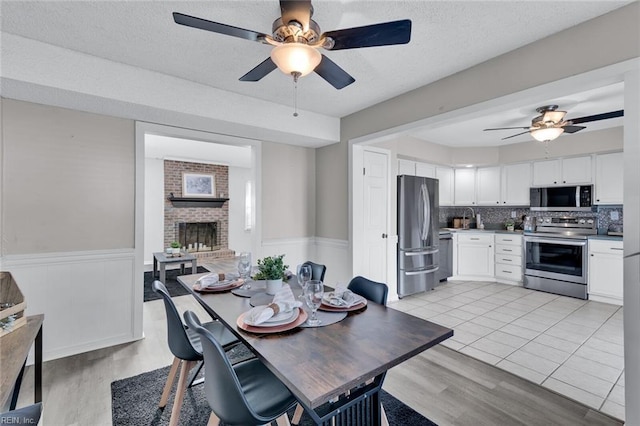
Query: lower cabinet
[(474, 255), (606, 266), (508, 258)]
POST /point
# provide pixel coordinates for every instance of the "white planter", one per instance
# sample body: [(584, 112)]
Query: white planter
[(273, 286)]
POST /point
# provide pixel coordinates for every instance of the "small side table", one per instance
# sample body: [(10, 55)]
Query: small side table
[(162, 259)]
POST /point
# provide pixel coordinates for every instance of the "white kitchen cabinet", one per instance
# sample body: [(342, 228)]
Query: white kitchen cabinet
[(516, 181), (406, 167), (576, 170), (562, 171), (508, 258), (474, 253), (445, 177), (488, 186), (425, 170), (609, 178), (464, 187), (606, 279)]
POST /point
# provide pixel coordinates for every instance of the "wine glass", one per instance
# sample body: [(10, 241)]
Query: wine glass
[(244, 268), (313, 292), (304, 275)]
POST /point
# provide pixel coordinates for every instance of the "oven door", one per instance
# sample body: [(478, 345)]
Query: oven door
[(556, 258)]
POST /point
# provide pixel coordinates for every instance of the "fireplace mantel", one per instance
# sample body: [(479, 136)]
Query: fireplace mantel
[(196, 201)]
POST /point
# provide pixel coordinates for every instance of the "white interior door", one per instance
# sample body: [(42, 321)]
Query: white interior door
[(375, 193)]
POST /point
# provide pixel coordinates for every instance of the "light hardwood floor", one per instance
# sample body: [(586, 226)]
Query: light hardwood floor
[(448, 387)]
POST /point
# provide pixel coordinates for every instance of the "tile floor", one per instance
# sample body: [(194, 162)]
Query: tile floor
[(571, 346)]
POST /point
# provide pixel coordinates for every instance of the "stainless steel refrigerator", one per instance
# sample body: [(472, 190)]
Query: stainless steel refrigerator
[(418, 237)]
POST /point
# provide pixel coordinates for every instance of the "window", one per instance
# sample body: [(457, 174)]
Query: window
[(247, 206)]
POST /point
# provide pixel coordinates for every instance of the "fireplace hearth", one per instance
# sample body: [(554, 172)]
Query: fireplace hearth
[(198, 236)]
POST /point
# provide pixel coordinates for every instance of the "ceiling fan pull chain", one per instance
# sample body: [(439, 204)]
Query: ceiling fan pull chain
[(546, 149), (295, 93)]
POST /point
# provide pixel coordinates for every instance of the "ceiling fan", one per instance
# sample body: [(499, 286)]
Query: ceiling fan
[(296, 39), (551, 123)]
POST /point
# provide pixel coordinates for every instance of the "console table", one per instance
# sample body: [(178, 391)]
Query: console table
[(160, 258), (14, 349)]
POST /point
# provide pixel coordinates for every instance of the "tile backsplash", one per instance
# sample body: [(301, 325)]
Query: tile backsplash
[(495, 217)]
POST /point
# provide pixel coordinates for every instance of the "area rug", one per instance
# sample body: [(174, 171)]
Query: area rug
[(134, 401), (172, 284)]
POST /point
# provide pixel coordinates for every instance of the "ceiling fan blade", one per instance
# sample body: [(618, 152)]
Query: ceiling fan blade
[(507, 128), (598, 117), (296, 10), (333, 74), (573, 129), (384, 34), (264, 68), (513, 136), (203, 24)]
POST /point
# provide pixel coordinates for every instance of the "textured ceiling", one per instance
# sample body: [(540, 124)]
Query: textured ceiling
[(447, 36)]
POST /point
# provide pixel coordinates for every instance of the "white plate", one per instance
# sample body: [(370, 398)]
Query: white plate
[(280, 319)]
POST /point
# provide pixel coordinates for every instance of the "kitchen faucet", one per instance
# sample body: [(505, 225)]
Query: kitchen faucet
[(465, 225)]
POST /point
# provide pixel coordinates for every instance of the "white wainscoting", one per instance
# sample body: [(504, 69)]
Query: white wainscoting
[(89, 299), (336, 256)]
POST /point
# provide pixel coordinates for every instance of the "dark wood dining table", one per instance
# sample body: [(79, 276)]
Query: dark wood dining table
[(328, 368)]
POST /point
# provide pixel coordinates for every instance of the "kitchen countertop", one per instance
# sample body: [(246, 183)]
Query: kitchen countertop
[(520, 232), (605, 237), (485, 231)]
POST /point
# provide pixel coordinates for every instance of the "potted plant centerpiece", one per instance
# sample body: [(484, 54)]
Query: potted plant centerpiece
[(509, 224), (175, 248), (271, 269)]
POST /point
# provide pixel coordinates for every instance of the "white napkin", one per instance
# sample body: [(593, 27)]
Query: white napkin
[(214, 279), (341, 297), (283, 301)]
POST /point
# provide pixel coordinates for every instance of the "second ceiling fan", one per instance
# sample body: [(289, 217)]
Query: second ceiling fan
[(551, 123), (296, 39)]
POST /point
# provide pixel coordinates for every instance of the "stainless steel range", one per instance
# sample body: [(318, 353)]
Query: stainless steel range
[(556, 255)]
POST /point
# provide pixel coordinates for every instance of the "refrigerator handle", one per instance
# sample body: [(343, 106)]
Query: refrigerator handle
[(426, 218)]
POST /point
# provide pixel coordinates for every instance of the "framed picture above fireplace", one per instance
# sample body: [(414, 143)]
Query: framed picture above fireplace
[(198, 185)]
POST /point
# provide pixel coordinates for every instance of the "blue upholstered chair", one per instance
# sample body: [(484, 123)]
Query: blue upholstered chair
[(370, 290), (317, 270)]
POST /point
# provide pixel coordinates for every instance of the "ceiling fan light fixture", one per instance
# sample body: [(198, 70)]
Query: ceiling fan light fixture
[(295, 58), (553, 116), (546, 134)]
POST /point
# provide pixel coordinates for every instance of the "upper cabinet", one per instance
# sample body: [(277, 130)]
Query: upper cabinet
[(516, 181), (464, 192), (406, 167), (488, 184), (445, 177), (503, 186), (425, 170), (609, 178), (562, 171)]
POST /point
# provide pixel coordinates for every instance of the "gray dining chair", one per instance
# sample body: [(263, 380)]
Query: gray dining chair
[(186, 348), (246, 393), (29, 415), (317, 270), (370, 290)]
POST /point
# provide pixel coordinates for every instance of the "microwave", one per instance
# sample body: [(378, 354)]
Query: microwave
[(561, 198)]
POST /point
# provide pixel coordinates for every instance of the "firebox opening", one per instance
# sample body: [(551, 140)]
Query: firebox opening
[(198, 236)]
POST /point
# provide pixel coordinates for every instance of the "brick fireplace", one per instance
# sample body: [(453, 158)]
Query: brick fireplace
[(205, 228)]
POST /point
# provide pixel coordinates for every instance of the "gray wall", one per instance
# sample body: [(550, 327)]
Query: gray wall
[(68, 180), (288, 191)]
